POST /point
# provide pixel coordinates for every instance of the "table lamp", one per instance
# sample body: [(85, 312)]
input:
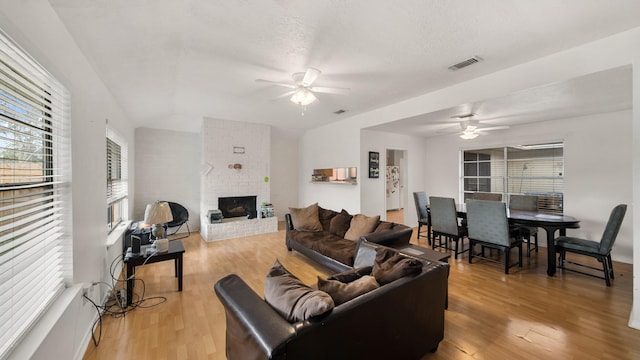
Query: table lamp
[(158, 214)]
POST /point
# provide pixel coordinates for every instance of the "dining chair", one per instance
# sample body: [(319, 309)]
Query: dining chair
[(420, 200), (599, 250), (487, 196), (488, 226), (526, 203), (444, 224)]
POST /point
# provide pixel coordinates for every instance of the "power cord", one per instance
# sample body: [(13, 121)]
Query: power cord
[(115, 305)]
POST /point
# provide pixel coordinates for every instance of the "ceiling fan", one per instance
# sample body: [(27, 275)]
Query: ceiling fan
[(471, 127), (302, 89)]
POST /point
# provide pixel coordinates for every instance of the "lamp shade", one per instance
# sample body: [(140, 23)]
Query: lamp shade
[(158, 213), (302, 97)]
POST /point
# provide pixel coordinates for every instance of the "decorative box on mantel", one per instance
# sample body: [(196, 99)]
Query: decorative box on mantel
[(237, 227)]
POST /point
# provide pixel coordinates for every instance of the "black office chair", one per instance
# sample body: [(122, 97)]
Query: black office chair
[(420, 200), (180, 217), (599, 250)]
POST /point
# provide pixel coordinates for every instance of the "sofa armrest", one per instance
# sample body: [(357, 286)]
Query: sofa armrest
[(253, 327), (288, 222), (390, 237)]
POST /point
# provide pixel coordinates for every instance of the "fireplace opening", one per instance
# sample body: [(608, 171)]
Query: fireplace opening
[(238, 206)]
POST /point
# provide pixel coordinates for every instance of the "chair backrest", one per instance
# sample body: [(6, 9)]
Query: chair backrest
[(487, 196), (420, 199), (444, 217), (487, 221), (180, 214), (612, 228), (523, 202)]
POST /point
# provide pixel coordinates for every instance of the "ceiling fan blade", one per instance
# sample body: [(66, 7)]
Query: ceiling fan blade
[(287, 94), (290, 86), (493, 128), (329, 90), (310, 76)]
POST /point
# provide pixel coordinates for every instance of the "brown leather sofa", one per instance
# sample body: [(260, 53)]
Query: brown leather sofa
[(403, 319), (335, 252)]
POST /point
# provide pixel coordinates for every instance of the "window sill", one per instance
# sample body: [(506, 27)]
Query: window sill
[(116, 234)]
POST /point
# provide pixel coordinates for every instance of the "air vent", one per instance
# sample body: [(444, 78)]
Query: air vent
[(465, 63), (338, 112)]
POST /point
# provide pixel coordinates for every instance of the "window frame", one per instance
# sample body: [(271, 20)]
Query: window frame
[(547, 186)]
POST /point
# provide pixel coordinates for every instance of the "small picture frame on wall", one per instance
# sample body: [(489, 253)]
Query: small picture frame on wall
[(374, 165)]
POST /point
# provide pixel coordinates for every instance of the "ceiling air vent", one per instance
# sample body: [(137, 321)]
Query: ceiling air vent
[(470, 61), (338, 112)]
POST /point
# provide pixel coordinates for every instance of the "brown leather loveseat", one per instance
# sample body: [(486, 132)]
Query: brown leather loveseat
[(403, 319)]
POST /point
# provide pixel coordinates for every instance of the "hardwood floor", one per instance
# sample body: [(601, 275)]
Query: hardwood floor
[(523, 315)]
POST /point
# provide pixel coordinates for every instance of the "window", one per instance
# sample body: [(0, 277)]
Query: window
[(35, 173), (524, 169), (117, 184)]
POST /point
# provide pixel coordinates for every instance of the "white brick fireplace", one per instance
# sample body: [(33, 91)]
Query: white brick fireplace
[(235, 162)]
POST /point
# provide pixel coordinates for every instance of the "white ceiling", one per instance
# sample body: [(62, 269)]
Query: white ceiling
[(170, 63)]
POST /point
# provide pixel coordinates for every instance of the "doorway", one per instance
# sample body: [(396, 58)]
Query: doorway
[(396, 184)]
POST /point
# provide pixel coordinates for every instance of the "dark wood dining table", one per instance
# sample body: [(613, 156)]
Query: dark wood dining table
[(549, 222)]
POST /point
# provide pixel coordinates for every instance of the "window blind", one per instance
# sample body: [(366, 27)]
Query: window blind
[(117, 178), (35, 173), (526, 169)]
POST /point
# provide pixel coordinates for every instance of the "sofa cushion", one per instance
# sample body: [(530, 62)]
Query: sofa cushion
[(325, 216), (293, 299), (341, 292), (361, 225), (383, 225), (351, 275), (390, 266), (306, 219), (340, 223)]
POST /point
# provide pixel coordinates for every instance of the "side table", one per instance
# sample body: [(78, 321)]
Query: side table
[(176, 249)]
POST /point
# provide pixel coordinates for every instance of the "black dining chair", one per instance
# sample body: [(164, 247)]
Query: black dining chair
[(488, 226), (444, 224), (599, 250), (420, 200), (487, 196), (526, 203)]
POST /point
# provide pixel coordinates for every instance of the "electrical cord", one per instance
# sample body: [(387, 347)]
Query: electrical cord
[(115, 306)]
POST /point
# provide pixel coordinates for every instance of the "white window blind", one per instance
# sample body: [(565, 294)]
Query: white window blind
[(117, 178), (35, 173), (536, 170)]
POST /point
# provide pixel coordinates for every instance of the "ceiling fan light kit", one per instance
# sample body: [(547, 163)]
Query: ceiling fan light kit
[(302, 97), (468, 135)]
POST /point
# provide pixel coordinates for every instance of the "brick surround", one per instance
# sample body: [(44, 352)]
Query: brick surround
[(224, 144)]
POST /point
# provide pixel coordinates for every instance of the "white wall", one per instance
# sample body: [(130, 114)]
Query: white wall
[(331, 146), (372, 191), (36, 27), (167, 167), (597, 158), (284, 171)]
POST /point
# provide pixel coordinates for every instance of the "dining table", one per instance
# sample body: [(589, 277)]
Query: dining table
[(551, 223)]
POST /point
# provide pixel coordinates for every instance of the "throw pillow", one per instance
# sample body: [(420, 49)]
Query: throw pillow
[(384, 225), (291, 298), (361, 225), (389, 267), (340, 223), (325, 217), (351, 275), (341, 292), (306, 219)]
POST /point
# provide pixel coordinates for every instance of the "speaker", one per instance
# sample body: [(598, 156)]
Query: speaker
[(135, 244)]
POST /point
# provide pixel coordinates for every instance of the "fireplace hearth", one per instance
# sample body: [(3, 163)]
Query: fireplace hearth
[(238, 206)]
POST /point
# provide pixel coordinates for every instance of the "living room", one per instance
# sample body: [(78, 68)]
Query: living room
[(36, 27)]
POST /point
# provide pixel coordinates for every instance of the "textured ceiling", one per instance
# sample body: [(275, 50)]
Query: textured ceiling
[(170, 63)]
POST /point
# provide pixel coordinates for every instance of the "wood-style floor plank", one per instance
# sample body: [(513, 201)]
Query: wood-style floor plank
[(523, 315)]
